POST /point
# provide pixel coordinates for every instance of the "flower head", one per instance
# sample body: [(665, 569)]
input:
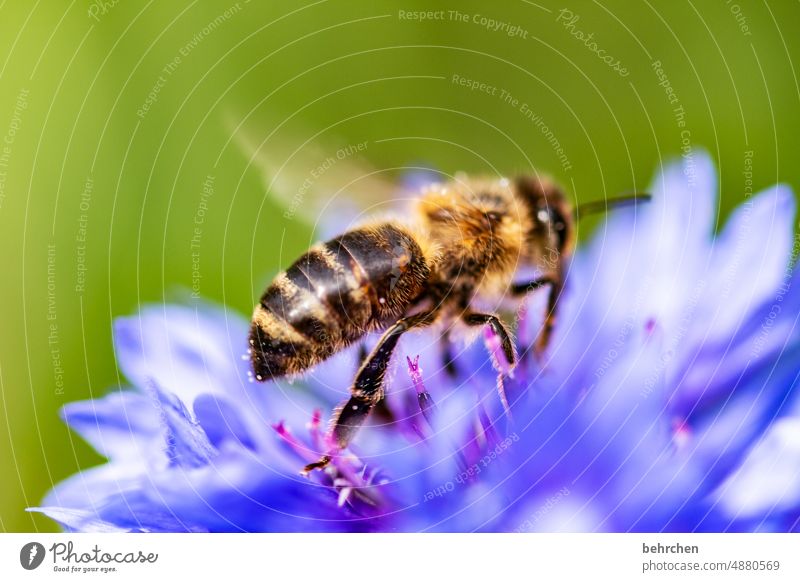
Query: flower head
[(667, 402)]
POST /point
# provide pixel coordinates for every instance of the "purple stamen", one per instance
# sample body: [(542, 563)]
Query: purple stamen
[(298, 447), (426, 403)]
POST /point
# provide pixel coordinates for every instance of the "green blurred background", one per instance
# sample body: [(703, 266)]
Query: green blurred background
[(98, 198)]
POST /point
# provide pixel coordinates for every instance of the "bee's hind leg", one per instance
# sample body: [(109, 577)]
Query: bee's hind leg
[(367, 390), (381, 409)]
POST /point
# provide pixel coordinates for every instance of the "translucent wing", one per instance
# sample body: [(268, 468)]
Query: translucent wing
[(327, 184)]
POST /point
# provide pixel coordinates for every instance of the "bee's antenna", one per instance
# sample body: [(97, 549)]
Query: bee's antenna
[(597, 206)]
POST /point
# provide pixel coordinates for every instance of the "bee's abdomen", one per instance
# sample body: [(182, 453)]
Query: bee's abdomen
[(334, 294)]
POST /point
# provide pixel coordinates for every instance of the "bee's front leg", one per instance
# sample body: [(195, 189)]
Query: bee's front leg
[(506, 345), (555, 285), (473, 319)]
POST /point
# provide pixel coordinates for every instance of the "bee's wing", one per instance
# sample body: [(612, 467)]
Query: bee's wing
[(330, 186)]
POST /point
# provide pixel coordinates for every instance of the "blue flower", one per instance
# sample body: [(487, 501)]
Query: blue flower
[(666, 402)]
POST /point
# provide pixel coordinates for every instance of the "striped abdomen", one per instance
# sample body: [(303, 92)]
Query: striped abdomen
[(330, 297)]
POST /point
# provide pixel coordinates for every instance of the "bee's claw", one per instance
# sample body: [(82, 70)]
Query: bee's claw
[(321, 464)]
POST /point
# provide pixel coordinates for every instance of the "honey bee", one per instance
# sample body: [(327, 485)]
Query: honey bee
[(466, 241)]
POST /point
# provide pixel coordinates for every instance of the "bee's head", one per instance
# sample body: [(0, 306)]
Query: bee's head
[(552, 221)]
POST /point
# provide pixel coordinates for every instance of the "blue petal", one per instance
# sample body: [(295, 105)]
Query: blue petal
[(221, 422), (768, 481), (91, 487), (684, 199), (133, 510), (727, 428), (744, 273), (79, 520), (142, 511), (717, 367), (193, 351), (186, 443), (188, 351), (558, 510), (122, 425), (646, 265), (239, 492), (122, 512)]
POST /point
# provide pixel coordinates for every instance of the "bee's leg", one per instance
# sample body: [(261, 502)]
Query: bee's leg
[(367, 390), (381, 410), (506, 345), (520, 289), (555, 284), (383, 413), (448, 359), (498, 328)]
